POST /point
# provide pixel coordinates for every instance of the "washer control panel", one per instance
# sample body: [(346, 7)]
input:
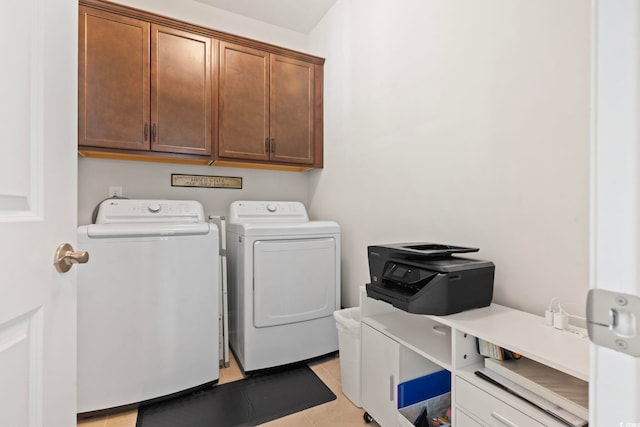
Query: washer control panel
[(136, 210), (267, 211)]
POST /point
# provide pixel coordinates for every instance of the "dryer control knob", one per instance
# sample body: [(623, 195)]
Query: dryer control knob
[(271, 207), (154, 208)]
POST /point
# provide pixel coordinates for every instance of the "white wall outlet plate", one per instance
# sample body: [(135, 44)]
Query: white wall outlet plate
[(115, 191)]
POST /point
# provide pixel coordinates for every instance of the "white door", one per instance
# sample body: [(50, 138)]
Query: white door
[(38, 87), (615, 192)]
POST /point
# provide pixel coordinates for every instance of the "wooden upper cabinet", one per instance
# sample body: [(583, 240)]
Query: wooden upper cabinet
[(154, 88), (143, 86), (180, 91), (113, 81), (243, 103), (267, 109), (291, 109)]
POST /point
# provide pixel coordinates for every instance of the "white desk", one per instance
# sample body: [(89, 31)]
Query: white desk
[(398, 346)]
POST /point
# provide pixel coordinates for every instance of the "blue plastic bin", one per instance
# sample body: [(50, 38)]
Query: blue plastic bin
[(424, 388)]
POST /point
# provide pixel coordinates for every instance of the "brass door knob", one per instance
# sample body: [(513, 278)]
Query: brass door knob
[(65, 257)]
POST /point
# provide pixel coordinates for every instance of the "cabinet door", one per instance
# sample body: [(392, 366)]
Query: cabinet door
[(113, 92), (380, 374), (292, 108), (180, 91), (243, 103)]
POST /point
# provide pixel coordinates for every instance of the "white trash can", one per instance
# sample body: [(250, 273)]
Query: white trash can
[(348, 324)]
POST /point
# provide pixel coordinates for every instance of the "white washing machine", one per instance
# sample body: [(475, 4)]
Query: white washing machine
[(147, 303), (284, 284)]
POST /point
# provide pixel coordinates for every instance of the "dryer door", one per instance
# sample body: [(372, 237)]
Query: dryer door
[(294, 280)]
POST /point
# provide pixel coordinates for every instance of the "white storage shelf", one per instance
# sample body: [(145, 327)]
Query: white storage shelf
[(526, 334), (469, 388), (428, 338), (450, 343)]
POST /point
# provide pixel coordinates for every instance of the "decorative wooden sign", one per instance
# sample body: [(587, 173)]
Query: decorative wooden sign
[(206, 181)]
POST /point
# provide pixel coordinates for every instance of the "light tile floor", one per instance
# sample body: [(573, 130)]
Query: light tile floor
[(339, 413)]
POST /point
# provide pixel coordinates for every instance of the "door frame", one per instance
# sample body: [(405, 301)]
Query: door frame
[(614, 387)]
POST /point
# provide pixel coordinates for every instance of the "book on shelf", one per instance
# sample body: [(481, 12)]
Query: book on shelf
[(563, 390)]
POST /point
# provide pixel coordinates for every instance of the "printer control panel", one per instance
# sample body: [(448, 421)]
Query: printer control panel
[(411, 278), (401, 273)]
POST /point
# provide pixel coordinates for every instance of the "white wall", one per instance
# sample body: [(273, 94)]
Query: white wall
[(460, 122), (142, 180), (152, 180)]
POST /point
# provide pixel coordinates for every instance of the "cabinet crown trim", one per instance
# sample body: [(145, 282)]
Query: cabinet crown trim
[(198, 29)]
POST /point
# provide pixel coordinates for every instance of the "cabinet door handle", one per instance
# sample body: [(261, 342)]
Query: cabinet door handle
[(502, 419), (266, 144), (153, 133), (273, 145), (391, 387), (146, 130)]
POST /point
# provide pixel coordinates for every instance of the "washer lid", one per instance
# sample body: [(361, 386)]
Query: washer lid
[(121, 211), (105, 231), (284, 228)]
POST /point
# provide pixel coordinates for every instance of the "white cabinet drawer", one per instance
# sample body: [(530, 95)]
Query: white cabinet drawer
[(464, 420), (490, 410)]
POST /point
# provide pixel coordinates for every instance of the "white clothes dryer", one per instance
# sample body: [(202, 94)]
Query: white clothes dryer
[(283, 284), (147, 303)]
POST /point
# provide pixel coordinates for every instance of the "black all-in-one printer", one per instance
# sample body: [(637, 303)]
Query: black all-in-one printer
[(426, 278)]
